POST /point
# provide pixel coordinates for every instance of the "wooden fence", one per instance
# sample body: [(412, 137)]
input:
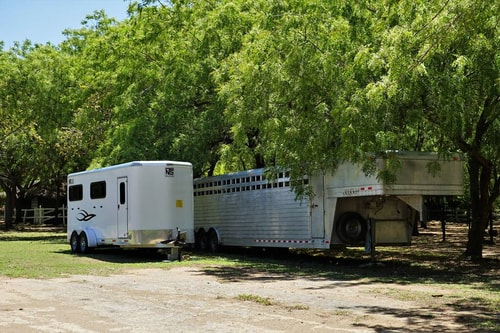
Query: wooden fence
[(41, 215)]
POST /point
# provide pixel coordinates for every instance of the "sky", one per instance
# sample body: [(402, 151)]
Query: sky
[(43, 21)]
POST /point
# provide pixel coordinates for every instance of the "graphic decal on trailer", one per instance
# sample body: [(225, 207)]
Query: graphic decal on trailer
[(85, 216)]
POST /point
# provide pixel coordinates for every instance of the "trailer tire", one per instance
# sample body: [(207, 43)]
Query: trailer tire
[(213, 241), (351, 228), (74, 243), (83, 243), (202, 240)]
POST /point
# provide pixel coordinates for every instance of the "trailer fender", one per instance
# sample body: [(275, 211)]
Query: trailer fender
[(351, 228), (91, 237)]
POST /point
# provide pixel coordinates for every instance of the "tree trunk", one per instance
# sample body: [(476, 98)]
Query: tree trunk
[(56, 212), (480, 207), (18, 200), (259, 161), (10, 199)]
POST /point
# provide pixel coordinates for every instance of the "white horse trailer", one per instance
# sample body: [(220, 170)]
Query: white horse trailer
[(349, 207), (144, 204)]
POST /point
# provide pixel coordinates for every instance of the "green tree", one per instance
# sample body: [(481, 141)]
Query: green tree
[(39, 102), (292, 82), (435, 76), (157, 69), (17, 133)]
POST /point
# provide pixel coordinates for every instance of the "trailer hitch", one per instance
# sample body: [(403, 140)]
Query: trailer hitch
[(181, 237), (179, 240)]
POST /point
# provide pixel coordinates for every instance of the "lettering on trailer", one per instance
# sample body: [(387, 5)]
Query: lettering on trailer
[(351, 191), (169, 172), (355, 191)]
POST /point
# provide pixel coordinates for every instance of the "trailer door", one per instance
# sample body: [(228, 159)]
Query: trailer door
[(317, 207), (122, 212)]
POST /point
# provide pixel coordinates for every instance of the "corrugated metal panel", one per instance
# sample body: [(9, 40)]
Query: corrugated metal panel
[(244, 207)]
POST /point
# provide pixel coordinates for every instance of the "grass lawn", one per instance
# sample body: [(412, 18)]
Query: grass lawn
[(38, 253)]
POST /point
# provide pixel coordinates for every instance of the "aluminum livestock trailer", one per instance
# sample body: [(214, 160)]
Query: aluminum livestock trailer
[(143, 204), (349, 208)]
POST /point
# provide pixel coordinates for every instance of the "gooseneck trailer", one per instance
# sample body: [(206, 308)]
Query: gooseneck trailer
[(142, 204), (349, 208)]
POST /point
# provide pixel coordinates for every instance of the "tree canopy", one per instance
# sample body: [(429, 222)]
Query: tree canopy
[(231, 85)]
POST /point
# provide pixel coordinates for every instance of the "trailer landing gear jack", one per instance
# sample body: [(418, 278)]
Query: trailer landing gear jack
[(176, 246), (371, 247), (175, 254)]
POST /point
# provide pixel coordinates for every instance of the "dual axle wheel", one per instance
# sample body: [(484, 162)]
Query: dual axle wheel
[(207, 241), (79, 243)]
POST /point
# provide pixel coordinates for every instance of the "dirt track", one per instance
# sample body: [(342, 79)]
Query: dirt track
[(188, 299)]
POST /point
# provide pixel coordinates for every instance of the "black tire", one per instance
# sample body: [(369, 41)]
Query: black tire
[(74, 243), (202, 240), (351, 229), (83, 243), (213, 241)]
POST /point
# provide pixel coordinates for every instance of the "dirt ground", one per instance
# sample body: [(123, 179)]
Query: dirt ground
[(207, 299), (189, 300)]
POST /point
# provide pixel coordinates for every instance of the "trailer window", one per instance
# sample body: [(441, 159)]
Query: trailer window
[(98, 190), (122, 193), (75, 192)]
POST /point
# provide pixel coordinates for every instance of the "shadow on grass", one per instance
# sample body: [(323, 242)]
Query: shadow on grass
[(118, 255), (52, 238), (33, 233), (429, 260), (391, 270)]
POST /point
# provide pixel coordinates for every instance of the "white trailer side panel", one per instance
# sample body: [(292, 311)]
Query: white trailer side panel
[(140, 204), (412, 177)]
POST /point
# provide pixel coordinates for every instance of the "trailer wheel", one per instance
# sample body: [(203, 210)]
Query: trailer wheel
[(213, 241), (202, 240), (73, 242), (83, 243), (351, 228)]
